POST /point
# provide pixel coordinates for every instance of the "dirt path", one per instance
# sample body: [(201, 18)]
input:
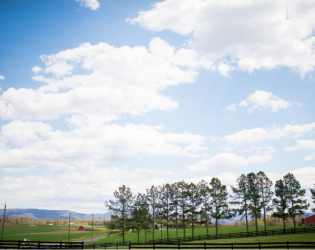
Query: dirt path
[(96, 238)]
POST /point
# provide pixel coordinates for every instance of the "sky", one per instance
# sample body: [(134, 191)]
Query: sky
[(100, 94)]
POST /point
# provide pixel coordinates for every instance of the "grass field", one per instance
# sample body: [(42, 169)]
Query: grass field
[(50, 233), (172, 233)]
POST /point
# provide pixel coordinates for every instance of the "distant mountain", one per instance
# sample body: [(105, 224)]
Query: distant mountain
[(52, 214)]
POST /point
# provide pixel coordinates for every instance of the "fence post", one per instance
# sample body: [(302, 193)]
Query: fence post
[(287, 244), (205, 244), (178, 244), (153, 244), (39, 244), (60, 244), (259, 244), (19, 245), (232, 245)]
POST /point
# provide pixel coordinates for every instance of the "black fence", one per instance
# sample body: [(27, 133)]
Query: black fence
[(235, 235), (112, 245), (205, 245), (10, 244)]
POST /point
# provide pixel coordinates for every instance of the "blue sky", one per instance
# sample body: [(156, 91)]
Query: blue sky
[(97, 94)]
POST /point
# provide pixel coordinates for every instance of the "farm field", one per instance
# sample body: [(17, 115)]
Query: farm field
[(51, 233), (172, 233)]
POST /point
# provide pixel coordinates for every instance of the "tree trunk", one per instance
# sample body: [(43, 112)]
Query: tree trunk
[(176, 224), (246, 218), (216, 228), (145, 235), (265, 222), (167, 221), (207, 226), (184, 227), (138, 235), (283, 219)]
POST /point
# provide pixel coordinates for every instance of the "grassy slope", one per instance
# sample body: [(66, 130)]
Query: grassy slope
[(172, 233)]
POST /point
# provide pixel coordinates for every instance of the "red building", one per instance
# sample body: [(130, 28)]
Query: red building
[(81, 228), (310, 220)]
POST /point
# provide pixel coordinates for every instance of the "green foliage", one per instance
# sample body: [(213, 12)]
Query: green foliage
[(313, 197), (281, 202), (219, 208), (295, 195), (122, 209)]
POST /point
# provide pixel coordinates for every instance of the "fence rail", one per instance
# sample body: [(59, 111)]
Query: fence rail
[(18, 244), (205, 245), (235, 235)]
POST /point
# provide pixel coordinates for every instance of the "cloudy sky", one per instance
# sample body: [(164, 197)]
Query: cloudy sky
[(97, 94)]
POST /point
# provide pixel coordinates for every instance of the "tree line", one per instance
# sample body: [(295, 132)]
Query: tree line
[(186, 205)]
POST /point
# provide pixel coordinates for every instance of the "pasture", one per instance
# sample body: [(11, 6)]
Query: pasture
[(50, 233), (130, 236)]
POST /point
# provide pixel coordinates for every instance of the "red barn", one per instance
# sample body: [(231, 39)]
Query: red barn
[(81, 228), (310, 220)]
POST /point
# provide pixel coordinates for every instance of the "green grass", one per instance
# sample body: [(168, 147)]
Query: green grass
[(50, 233), (172, 233)]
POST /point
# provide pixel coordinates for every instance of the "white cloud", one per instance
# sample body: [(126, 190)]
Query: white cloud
[(228, 160), (265, 99), (92, 4), (112, 81), (224, 69), (87, 145), (2, 77), (258, 135), (230, 107), (304, 145), (246, 34), (36, 69)]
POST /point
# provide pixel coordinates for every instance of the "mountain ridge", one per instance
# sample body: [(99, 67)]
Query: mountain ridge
[(35, 213)]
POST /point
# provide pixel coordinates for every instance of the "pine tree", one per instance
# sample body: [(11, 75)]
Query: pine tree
[(194, 198), (281, 202), (241, 197), (182, 188), (313, 197), (219, 208), (254, 197), (174, 196), (266, 194), (205, 201), (295, 194), (122, 208), (140, 215)]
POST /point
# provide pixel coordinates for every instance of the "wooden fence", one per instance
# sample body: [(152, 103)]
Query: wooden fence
[(206, 245), (236, 235), (10, 244)]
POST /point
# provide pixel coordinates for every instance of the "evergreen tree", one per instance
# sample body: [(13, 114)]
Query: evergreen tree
[(194, 198), (122, 208), (205, 201), (266, 194), (295, 194), (241, 197), (219, 208), (281, 202), (140, 215), (153, 195), (182, 188), (254, 197), (313, 197), (174, 196)]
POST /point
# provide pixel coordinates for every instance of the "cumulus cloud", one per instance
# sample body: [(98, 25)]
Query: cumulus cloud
[(2, 77), (247, 35), (230, 107), (257, 135), (265, 99), (308, 145), (112, 81), (87, 145), (36, 69), (228, 160), (92, 4)]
